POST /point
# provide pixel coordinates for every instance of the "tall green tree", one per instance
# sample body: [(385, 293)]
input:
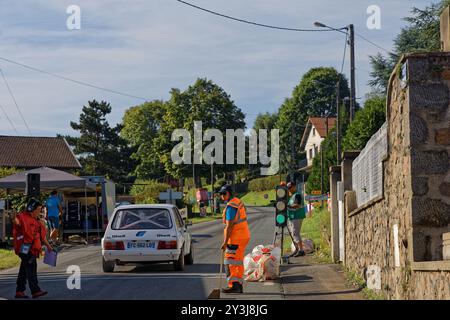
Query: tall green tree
[(314, 96), (203, 101), (141, 126), (366, 123), (422, 34), (266, 121), (99, 147)]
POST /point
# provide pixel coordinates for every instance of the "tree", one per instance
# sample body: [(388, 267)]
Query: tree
[(366, 123), (314, 96), (203, 101), (422, 34), (141, 127), (266, 121), (99, 147)]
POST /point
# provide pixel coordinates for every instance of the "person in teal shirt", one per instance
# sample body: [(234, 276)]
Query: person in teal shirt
[(296, 214)]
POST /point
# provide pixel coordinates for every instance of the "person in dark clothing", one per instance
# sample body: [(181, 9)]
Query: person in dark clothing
[(29, 234)]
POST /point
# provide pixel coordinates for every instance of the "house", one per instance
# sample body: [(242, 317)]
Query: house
[(315, 132), (35, 152)]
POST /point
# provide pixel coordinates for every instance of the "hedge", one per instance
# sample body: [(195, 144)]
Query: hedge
[(266, 183), (148, 193)]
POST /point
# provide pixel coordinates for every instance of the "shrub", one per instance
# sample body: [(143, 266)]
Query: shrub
[(147, 191)]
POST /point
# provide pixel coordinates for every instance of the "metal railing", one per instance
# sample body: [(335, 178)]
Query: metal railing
[(367, 169)]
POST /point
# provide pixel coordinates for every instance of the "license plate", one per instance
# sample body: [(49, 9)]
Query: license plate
[(141, 245)]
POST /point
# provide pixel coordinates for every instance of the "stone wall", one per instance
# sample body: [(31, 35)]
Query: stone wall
[(416, 186)]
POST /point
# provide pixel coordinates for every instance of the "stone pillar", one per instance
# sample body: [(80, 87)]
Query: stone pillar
[(335, 177), (445, 29), (428, 146), (346, 177), (346, 174), (446, 246)]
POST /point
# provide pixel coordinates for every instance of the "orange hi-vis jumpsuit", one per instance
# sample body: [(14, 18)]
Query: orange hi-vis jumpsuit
[(237, 243)]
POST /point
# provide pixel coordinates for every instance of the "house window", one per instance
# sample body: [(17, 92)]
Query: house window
[(314, 132), (310, 153), (316, 149)]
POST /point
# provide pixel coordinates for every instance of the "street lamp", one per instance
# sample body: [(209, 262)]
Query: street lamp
[(351, 30)]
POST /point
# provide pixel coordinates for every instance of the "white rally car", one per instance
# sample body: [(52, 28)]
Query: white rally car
[(141, 234)]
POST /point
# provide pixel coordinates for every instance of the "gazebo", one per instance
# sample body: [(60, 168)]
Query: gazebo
[(50, 179)]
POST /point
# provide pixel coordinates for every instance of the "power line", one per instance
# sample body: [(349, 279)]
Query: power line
[(345, 53), (372, 43), (9, 120), (249, 22), (73, 80), (15, 101)]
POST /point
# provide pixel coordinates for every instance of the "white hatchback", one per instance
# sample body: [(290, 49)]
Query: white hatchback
[(141, 234)]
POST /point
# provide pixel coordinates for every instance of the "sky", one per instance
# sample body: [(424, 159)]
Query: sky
[(147, 47)]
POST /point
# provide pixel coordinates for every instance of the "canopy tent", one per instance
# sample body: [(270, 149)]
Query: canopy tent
[(50, 179)]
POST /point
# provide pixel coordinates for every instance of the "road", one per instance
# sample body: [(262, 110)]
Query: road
[(155, 281)]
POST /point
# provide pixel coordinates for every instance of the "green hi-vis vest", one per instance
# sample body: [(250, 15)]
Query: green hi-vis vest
[(299, 213)]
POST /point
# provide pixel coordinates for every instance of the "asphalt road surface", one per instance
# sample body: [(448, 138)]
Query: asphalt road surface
[(154, 281)]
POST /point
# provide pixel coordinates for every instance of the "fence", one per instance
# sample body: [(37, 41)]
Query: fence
[(367, 169)]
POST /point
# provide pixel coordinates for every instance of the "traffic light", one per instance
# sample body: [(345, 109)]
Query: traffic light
[(281, 206)]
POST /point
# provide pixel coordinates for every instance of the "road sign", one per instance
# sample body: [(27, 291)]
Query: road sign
[(170, 196), (316, 192), (316, 198)]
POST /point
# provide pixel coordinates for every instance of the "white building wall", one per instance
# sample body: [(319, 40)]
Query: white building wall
[(313, 142)]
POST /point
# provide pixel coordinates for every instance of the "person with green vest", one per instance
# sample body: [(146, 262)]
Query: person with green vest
[(296, 214)]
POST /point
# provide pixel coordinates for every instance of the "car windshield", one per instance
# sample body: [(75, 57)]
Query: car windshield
[(142, 218)]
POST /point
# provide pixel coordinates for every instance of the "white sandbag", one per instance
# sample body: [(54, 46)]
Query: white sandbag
[(257, 249), (276, 252), (249, 264), (271, 268), (308, 246)]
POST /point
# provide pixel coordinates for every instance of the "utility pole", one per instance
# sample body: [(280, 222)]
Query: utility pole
[(338, 122), (292, 152), (213, 199), (193, 174), (352, 72)]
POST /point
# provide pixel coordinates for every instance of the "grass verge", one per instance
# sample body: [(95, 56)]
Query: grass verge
[(257, 198), (8, 259), (316, 226), (356, 280)]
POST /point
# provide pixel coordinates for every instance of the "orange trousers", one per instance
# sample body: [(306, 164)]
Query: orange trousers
[(234, 260)]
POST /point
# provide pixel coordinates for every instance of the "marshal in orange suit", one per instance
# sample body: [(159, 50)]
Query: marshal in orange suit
[(236, 238)]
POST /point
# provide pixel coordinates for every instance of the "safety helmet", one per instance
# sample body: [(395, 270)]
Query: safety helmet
[(226, 188)]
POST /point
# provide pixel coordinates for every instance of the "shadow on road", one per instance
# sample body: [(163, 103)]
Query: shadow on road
[(296, 279), (158, 268), (308, 294)]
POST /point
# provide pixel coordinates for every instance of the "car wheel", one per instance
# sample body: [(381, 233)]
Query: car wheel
[(189, 259), (108, 266), (178, 265)]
